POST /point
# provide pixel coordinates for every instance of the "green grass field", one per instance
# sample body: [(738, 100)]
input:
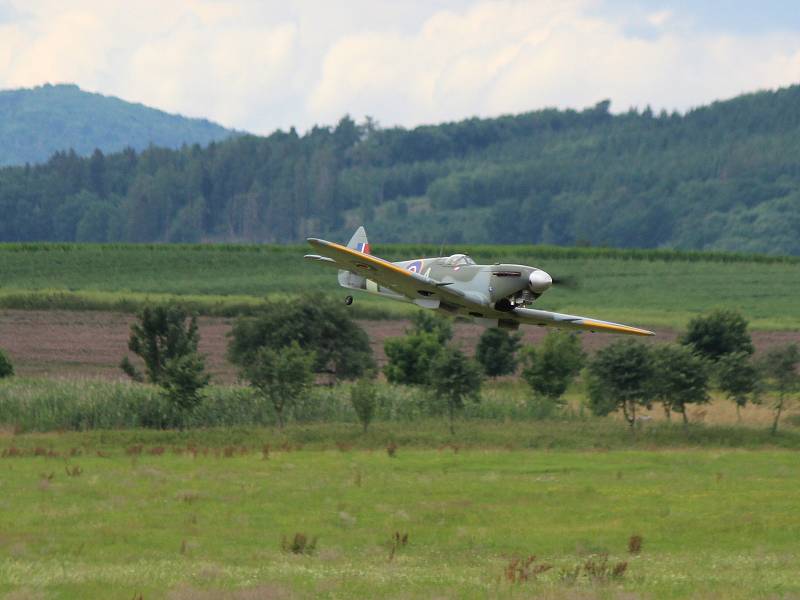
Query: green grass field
[(111, 515), (661, 288)]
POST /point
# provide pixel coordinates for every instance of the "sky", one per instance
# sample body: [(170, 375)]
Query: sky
[(263, 65)]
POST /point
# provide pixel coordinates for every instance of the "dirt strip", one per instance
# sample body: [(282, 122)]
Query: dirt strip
[(73, 344)]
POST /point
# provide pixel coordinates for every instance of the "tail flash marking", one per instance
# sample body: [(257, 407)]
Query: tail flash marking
[(363, 247)]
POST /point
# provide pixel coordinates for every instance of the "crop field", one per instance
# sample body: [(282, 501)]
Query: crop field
[(123, 515), (651, 288)]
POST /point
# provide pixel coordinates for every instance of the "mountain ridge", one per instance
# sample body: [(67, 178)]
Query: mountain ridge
[(723, 177), (37, 122)]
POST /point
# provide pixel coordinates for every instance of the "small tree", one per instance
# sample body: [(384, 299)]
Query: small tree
[(781, 377), (718, 333), (454, 378), (497, 352), (160, 334), (364, 398), (425, 321), (166, 339), (738, 379), (620, 377), (550, 368), (182, 379), (680, 378), (281, 375), (6, 368), (410, 358), (340, 347)]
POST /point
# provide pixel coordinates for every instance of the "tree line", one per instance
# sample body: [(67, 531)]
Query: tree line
[(722, 177), (288, 347)]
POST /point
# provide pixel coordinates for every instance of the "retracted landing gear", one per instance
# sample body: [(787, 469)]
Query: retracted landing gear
[(348, 300)]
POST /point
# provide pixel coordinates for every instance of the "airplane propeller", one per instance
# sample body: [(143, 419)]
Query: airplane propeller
[(566, 281)]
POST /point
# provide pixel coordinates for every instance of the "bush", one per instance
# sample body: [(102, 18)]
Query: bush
[(620, 377), (183, 378), (6, 368), (410, 358), (340, 347), (425, 321), (781, 378), (680, 378), (166, 339), (497, 352), (453, 378), (718, 333), (738, 379), (550, 369), (280, 376), (364, 398), (160, 334)]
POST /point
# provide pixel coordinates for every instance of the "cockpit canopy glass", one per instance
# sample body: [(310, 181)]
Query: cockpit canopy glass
[(457, 260)]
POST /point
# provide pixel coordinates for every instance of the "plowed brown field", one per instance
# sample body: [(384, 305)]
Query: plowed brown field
[(90, 344)]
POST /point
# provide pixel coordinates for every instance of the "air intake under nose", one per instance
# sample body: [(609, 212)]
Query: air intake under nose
[(539, 281)]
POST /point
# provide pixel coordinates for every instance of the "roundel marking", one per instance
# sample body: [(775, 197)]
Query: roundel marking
[(415, 267)]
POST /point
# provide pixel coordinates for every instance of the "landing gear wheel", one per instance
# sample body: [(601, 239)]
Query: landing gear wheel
[(348, 300)]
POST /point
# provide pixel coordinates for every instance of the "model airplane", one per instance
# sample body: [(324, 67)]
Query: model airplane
[(495, 295)]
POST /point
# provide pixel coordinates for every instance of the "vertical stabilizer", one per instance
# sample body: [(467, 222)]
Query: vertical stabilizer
[(359, 241)]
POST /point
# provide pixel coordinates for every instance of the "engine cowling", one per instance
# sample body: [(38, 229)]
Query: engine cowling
[(539, 281)]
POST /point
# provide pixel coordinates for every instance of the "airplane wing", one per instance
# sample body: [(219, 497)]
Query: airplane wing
[(418, 288), (563, 321)]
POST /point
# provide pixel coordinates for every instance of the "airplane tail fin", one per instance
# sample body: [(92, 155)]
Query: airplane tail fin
[(359, 241)]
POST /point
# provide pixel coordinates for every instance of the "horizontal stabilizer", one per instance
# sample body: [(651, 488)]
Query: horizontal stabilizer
[(321, 259)]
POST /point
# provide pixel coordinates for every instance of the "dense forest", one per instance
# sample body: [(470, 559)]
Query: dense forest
[(35, 123), (724, 176)]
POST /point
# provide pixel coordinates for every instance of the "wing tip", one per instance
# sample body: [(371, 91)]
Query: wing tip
[(618, 328)]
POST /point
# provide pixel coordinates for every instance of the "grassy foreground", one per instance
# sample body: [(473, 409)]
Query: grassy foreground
[(112, 520), (657, 288)]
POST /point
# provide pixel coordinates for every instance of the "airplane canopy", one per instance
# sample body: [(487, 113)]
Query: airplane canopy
[(457, 260)]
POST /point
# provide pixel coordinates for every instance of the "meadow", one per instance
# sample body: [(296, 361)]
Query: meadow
[(120, 516), (106, 492), (646, 287)]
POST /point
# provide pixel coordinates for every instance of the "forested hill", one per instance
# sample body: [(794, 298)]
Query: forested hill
[(725, 176), (35, 123)]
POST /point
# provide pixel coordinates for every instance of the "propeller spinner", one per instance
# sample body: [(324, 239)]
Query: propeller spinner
[(539, 281)]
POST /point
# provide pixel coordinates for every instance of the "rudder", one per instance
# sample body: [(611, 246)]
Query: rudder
[(359, 241)]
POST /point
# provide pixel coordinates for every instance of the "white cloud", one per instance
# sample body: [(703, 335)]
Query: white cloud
[(263, 65), (508, 56), (658, 19)]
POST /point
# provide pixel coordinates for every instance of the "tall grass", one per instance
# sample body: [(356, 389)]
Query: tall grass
[(325, 417)]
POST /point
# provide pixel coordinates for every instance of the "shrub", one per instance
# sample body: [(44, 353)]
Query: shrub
[(410, 358), (339, 346), (620, 378), (160, 334), (425, 321), (680, 378), (280, 376), (6, 368), (166, 339), (299, 544), (454, 378), (364, 398), (781, 377), (183, 378), (497, 352), (738, 379), (550, 368), (718, 333)]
